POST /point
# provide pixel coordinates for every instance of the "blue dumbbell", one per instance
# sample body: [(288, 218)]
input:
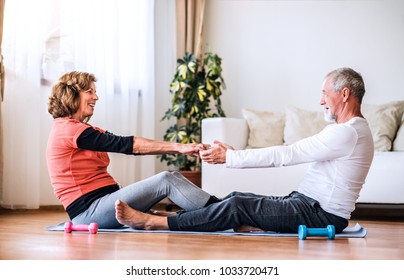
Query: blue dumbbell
[(329, 231)]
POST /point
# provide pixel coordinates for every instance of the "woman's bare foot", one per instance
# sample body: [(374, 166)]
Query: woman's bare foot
[(138, 220), (245, 228)]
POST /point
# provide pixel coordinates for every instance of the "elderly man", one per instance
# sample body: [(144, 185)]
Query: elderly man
[(341, 155)]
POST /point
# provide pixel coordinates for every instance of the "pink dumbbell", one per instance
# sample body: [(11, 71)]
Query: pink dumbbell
[(92, 228)]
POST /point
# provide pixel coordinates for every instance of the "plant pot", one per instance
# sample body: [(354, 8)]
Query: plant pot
[(193, 176)]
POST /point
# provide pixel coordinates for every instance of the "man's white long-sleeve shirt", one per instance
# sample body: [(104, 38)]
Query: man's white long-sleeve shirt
[(341, 155)]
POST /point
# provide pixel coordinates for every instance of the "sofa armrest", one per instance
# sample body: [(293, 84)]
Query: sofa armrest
[(232, 131)]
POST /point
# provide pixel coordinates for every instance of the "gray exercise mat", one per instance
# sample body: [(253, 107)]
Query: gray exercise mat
[(350, 232)]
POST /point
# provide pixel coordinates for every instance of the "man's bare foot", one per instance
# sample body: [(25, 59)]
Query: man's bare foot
[(136, 219), (245, 228)]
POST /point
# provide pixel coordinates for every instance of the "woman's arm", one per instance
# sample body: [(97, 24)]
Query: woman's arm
[(144, 146), (100, 141), (95, 140)]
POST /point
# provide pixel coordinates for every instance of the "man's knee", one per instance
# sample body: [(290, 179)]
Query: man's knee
[(237, 208), (236, 203), (234, 194)]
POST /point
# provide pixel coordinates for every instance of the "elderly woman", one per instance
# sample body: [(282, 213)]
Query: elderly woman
[(77, 158)]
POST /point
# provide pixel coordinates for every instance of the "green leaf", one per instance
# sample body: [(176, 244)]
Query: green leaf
[(192, 66), (175, 86), (209, 85), (201, 93), (176, 107), (182, 71)]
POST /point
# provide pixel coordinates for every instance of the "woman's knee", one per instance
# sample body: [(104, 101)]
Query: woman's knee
[(164, 175)]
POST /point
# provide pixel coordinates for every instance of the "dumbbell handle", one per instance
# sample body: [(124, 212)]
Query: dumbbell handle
[(92, 228), (329, 231)]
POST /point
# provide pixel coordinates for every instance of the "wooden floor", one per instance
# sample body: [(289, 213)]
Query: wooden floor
[(23, 237)]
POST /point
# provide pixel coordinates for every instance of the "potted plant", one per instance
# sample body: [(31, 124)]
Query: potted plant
[(196, 90)]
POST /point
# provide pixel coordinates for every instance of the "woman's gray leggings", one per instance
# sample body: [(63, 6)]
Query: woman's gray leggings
[(142, 196)]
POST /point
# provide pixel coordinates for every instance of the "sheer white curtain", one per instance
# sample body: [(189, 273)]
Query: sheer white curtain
[(42, 40)]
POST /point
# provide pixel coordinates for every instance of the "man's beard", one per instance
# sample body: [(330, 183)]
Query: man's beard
[(329, 116)]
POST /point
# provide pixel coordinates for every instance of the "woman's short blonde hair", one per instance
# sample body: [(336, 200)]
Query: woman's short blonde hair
[(64, 100)]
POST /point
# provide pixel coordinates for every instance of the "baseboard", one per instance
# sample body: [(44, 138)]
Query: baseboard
[(52, 207), (378, 211), (41, 208)]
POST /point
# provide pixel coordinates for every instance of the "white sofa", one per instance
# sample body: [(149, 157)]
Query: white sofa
[(384, 184)]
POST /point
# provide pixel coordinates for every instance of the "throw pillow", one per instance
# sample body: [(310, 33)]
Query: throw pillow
[(300, 123), (266, 128), (398, 144), (384, 121)]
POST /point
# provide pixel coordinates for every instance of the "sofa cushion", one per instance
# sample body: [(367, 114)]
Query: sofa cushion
[(398, 144), (384, 121), (300, 123), (266, 128)]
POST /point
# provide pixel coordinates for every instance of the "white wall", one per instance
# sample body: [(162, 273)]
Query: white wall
[(276, 53)]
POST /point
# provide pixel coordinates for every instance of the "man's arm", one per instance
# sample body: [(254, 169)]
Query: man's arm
[(333, 142)]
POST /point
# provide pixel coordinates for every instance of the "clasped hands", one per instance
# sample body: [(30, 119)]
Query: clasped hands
[(213, 154)]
